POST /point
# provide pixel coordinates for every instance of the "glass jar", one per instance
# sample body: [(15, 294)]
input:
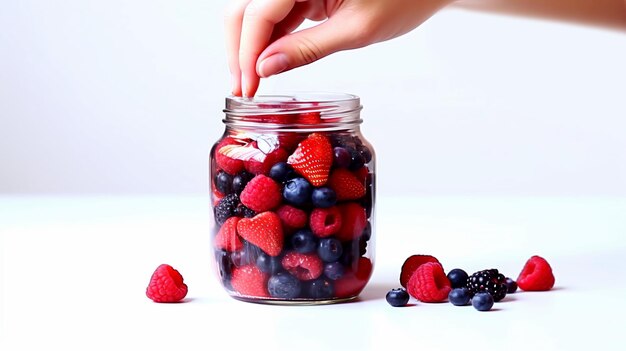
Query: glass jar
[(292, 190)]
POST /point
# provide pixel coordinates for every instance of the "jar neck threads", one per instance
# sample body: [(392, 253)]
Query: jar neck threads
[(300, 111)]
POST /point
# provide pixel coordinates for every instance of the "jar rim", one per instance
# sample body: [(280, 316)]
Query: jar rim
[(326, 102)]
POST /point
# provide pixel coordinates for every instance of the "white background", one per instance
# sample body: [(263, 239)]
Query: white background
[(126, 97)]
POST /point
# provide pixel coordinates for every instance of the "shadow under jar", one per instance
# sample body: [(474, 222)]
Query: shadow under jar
[(292, 190)]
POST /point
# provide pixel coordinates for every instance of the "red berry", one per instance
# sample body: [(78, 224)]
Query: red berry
[(292, 217), (429, 283), (353, 281), (303, 266), (361, 174), (325, 221), (262, 163), (346, 185), (166, 285), (353, 221), (313, 158), (411, 264), (261, 194), (249, 280), (225, 156), (227, 238), (309, 118), (536, 275), (263, 230)]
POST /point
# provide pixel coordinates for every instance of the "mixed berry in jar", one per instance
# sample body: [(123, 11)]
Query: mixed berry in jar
[(292, 192)]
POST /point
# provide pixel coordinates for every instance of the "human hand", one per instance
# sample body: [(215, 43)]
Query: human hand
[(260, 42)]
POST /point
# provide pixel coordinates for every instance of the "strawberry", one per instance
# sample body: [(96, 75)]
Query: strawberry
[(249, 280), (361, 174), (313, 158), (226, 238), (346, 185), (309, 118), (224, 158), (411, 264), (353, 221), (263, 230)]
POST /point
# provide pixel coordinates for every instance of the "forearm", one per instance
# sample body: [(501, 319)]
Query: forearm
[(606, 13)]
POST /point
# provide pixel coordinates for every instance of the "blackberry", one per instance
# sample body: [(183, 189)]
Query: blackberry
[(488, 280), (226, 208), (243, 211)]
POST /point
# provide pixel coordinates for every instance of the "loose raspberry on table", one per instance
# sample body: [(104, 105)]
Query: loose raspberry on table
[(411, 264), (166, 285), (429, 283), (536, 275), (261, 194)]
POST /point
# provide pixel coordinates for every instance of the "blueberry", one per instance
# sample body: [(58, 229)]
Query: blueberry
[(224, 265), (334, 270), (297, 191), (323, 197), (459, 296), (329, 249), (357, 160), (511, 286), (397, 297), (365, 152), (223, 182), (458, 278), (281, 172), (303, 241), (268, 264), (482, 301), (247, 255), (367, 232), (321, 289), (284, 286), (240, 181), (342, 157)]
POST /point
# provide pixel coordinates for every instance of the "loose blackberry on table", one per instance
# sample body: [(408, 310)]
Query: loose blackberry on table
[(488, 280)]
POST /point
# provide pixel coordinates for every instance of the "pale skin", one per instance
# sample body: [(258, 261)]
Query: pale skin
[(261, 40)]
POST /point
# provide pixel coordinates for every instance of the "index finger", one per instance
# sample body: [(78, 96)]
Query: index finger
[(259, 20)]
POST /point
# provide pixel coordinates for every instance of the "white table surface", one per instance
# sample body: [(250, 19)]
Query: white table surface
[(74, 272)]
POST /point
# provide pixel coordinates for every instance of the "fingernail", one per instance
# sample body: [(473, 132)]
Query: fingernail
[(273, 65)]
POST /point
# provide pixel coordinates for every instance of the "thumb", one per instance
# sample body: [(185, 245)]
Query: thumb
[(306, 46)]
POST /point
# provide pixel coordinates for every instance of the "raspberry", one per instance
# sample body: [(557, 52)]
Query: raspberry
[(303, 266), (411, 264), (353, 281), (353, 221), (536, 275), (166, 285), (263, 230), (224, 161), (249, 280), (226, 238), (429, 283), (346, 185), (292, 218), (261, 194), (325, 221)]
